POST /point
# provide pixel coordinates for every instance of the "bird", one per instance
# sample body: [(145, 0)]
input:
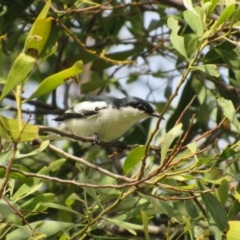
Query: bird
[(105, 118)]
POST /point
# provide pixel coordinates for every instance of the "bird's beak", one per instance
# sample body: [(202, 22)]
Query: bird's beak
[(155, 114)]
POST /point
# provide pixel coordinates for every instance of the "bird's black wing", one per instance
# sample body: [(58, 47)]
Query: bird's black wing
[(71, 115)]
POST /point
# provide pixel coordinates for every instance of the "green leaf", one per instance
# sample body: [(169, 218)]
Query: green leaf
[(212, 6), (163, 207), (194, 21), (229, 112), (145, 225), (53, 166), (133, 158), (39, 32), (48, 228), (92, 193), (216, 214), (222, 192), (192, 147), (129, 203), (234, 210), (213, 57), (229, 57), (1, 59), (191, 208), (234, 231), (224, 16), (7, 213), (106, 193), (59, 207), (72, 198), (41, 148), (226, 153), (34, 204), (39, 36), (19, 73), (236, 195), (55, 80), (210, 69), (191, 42), (189, 6), (168, 139), (25, 191), (176, 40), (9, 129), (126, 225)]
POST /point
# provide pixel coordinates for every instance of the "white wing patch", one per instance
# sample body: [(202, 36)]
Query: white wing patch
[(89, 106)]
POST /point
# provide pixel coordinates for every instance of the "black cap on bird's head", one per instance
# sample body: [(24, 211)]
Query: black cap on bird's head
[(134, 102), (139, 104)]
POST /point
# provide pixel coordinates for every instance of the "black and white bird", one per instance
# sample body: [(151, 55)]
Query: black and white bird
[(106, 118)]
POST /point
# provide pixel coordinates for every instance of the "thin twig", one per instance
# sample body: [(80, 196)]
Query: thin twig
[(185, 109), (89, 139), (8, 169), (163, 198), (88, 164)]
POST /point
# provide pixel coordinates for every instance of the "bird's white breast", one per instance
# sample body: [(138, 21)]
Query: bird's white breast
[(109, 123)]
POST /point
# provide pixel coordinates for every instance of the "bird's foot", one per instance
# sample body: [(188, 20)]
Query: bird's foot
[(96, 140), (121, 146)]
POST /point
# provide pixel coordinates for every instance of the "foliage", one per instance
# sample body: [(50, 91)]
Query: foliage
[(180, 180)]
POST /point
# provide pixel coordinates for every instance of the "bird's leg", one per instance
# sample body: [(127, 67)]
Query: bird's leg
[(96, 140), (121, 146)]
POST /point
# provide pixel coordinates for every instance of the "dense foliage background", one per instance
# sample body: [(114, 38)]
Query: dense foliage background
[(177, 181)]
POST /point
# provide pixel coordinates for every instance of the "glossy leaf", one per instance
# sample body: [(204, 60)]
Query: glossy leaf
[(19, 73), (92, 193), (229, 112), (25, 191), (210, 69), (212, 6), (176, 40), (225, 15), (37, 30), (145, 225), (168, 140), (194, 21), (35, 203), (55, 80), (59, 207), (53, 166), (126, 225), (46, 227), (216, 214), (39, 36), (164, 207), (189, 6), (191, 208), (234, 230), (9, 129), (133, 158), (41, 148), (7, 212), (222, 192)]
